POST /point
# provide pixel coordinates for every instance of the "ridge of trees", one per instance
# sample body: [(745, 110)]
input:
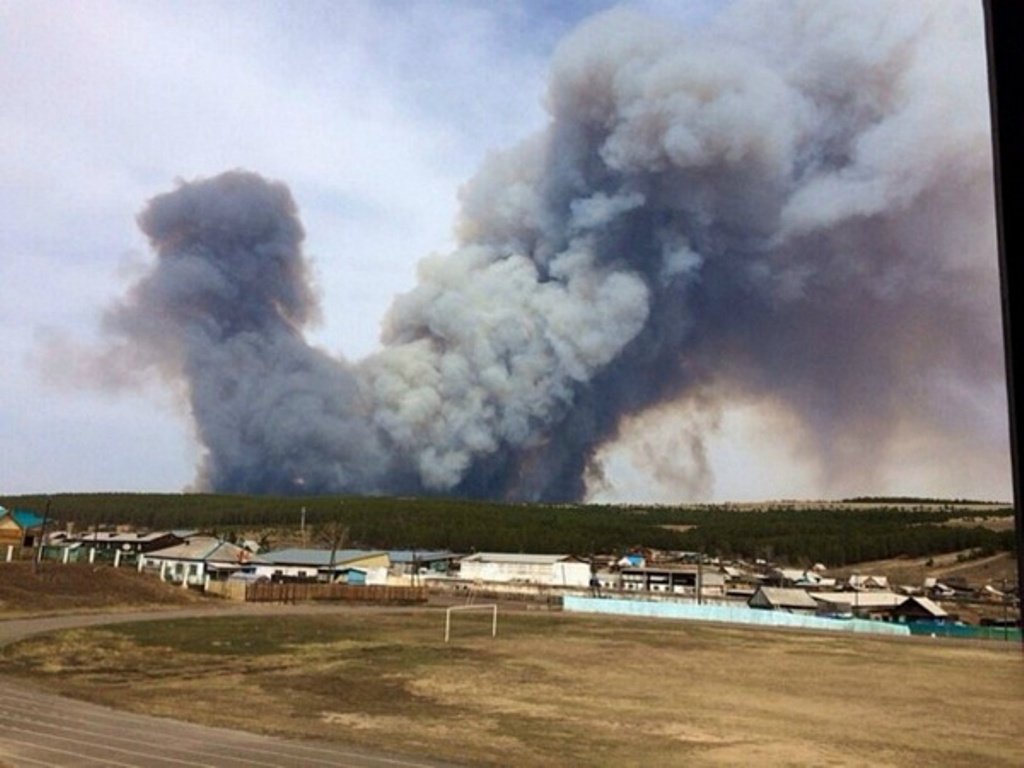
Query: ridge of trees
[(833, 533)]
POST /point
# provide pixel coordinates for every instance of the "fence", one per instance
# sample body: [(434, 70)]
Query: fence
[(297, 592), (738, 615), (939, 629)]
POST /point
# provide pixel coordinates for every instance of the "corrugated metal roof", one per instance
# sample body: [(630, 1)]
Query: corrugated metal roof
[(206, 548), (25, 518), (316, 557), (785, 597)]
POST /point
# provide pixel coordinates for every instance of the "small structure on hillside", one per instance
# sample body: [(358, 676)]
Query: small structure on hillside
[(865, 582)]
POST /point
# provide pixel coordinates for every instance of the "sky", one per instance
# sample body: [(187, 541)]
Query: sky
[(376, 115)]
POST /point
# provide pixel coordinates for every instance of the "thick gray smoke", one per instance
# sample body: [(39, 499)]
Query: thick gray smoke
[(793, 206)]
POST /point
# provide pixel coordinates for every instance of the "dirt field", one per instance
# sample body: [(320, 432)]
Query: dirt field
[(554, 689), (53, 587)]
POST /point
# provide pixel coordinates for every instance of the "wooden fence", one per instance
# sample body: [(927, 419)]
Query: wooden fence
[(297, 592)]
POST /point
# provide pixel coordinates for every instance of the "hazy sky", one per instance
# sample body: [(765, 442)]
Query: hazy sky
[(374, 113)]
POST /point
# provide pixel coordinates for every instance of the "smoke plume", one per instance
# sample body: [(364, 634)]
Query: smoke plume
[(792, 206)]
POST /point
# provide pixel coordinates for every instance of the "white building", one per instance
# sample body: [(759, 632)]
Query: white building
[(546, 570), (194, 561)]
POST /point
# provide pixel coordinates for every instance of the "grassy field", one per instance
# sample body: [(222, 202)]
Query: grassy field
[(555, 689)]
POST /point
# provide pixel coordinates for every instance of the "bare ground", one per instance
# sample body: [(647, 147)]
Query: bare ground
[(555, 689), (29, 588)]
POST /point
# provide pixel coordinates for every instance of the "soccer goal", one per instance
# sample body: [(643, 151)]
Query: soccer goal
[(493, 608)]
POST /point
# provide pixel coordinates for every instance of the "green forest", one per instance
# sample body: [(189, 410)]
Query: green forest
[(833, 533)]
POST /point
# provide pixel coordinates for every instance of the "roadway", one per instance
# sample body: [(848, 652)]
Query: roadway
[(43, 729)]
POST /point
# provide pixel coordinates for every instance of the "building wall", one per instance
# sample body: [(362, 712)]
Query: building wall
[(378, 560), (269, 571), (10, 531), (567, 574)]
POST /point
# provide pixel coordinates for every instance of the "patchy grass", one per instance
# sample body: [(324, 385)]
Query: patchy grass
[(554, 689), (28, 588)]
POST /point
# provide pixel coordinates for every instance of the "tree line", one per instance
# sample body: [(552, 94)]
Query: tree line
[(834, 534)]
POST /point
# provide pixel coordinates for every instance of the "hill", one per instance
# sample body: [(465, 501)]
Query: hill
[(83, 587)]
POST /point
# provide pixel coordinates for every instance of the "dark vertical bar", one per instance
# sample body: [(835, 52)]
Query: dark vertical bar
[(1004, 32)]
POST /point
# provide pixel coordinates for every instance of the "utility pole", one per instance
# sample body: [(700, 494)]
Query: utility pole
[(700, 577), (42, 537)]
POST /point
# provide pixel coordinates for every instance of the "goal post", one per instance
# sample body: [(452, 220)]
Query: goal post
[(493, 608)]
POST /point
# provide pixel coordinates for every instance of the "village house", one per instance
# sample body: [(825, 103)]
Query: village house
[(544, 570), (197, 560), (787, 599), (353, 566), (915, 609), (864, 582), (19, 528)]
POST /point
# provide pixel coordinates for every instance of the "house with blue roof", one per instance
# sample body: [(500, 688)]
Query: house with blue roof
[(20, 527)]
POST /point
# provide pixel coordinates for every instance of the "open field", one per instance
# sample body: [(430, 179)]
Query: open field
[(554, 689)]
